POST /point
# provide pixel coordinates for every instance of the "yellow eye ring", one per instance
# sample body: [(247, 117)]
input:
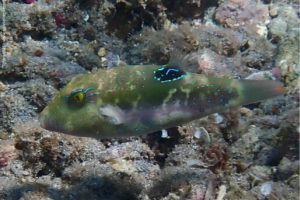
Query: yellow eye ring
[(78, 97)]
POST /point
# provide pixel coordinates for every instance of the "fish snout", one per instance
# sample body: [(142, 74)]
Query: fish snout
[(49, 121)]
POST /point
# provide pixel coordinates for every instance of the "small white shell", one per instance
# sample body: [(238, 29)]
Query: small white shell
[(202, 134), (164, 133), (266, 188)]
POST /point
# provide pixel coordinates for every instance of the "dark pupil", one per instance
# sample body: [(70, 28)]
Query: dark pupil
[(78, 97)]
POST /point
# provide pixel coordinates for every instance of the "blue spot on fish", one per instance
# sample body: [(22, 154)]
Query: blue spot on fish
[(167, 74)]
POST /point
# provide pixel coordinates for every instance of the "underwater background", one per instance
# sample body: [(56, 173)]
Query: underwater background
[(250, 152)]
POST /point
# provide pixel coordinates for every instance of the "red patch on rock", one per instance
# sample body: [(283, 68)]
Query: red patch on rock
[(29, 1), (59, 19)]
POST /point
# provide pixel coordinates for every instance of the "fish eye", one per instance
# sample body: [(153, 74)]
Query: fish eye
[(81, 96), (78, 97)]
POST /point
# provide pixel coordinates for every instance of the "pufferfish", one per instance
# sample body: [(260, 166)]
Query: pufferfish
[(140, 99)]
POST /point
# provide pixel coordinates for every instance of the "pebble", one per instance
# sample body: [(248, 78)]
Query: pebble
[(195, 163), (3, 87), (273, 11), (266, 188), (197, 134), (121, 165), (103, 61), (218, 118), (102, 52), (246, 112), (262, 30), (262, 75), (202, 134), (86, 18), (222, 192), (164, 133)]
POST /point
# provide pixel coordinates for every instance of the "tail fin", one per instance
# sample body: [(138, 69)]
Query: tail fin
[(257, 90)]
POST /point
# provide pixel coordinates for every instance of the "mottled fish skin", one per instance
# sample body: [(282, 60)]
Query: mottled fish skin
[(140, 99)]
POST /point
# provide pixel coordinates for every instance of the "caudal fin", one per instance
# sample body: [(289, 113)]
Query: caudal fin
[(257, 90)]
